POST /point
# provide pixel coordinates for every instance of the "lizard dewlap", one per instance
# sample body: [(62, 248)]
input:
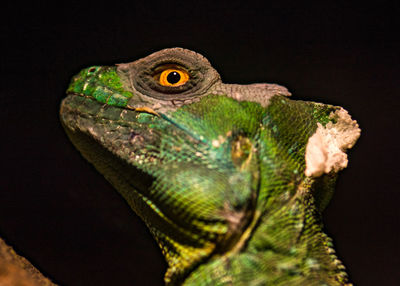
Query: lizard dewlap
[(230, 179)]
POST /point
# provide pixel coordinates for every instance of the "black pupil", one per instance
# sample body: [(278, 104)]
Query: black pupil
[(173, 77)]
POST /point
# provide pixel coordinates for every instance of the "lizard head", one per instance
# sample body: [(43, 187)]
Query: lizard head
[(204, 163)]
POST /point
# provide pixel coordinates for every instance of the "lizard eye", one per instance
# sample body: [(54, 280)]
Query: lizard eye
[(170, 74), (92, 69), (173, 77)]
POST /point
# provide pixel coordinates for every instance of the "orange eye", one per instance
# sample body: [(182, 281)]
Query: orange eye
[(173, 77)]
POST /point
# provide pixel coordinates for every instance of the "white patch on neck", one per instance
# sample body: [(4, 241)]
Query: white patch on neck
[(325, 150)]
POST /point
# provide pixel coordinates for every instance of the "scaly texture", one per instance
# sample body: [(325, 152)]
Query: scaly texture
[(218, 172)]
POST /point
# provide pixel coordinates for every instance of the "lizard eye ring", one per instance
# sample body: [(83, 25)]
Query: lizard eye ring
[(173, 77), (171, 74), (170, 77)]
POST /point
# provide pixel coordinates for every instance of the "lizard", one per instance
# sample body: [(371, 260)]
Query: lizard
[(230, 179)]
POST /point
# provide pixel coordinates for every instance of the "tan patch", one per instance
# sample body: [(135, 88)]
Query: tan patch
[(325, 150)]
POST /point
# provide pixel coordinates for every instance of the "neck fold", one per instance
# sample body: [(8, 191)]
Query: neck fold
[(286, 247)]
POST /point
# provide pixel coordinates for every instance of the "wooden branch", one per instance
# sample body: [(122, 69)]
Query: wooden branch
[(15, 270)]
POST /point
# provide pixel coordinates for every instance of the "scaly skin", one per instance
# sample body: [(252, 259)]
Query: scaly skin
[(221, 174)]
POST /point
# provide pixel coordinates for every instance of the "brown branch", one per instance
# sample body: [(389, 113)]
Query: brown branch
[(17, 271)]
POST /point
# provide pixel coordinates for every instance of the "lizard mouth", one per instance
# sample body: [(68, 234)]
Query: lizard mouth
[(86, 121), (122, 144)]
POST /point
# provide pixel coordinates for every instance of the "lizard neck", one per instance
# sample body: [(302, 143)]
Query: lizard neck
[(286, 246)]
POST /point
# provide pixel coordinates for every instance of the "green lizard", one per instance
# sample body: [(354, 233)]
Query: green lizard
[(230, 179)]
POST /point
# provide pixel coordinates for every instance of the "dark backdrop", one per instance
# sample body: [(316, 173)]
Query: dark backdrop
[(56, 210)]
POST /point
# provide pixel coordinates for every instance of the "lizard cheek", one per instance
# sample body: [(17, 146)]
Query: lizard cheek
[(241, 150)]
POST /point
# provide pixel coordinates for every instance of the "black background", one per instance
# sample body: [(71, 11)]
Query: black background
[(56, 210)]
